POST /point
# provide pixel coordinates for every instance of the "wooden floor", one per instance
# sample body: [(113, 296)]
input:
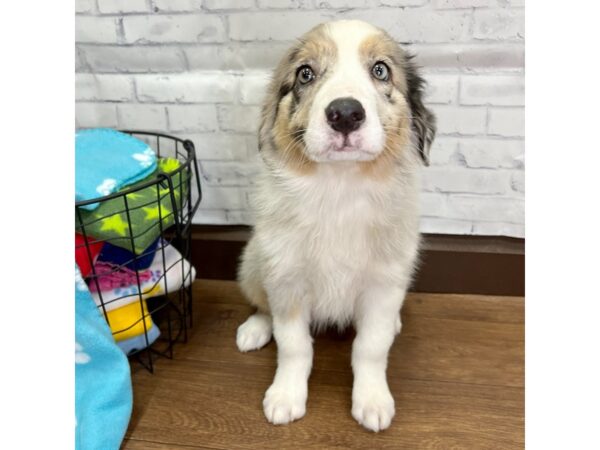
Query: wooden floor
[(456, 373)]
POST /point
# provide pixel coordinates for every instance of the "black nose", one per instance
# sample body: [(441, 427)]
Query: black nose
[(345, 114)]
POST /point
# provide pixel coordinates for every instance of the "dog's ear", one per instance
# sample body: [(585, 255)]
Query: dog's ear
[(279, 87), (423, 120)]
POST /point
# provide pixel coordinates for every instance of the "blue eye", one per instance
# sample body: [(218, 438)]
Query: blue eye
[(381, 71), (305, 75)]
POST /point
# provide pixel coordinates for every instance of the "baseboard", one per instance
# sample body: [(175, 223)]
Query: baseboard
[(449, 263)]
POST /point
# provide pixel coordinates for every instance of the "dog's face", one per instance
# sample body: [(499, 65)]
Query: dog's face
[(345, 92)]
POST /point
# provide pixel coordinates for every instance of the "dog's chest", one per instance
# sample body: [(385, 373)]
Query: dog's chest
[(332, 247)]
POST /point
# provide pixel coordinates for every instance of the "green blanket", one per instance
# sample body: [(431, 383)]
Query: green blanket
[(148, 209)]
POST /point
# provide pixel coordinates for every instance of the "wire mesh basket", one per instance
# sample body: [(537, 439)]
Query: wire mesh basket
[(144, 289)]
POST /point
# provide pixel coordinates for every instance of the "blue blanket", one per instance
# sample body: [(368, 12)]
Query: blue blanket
[(107, 160), (103, 395)]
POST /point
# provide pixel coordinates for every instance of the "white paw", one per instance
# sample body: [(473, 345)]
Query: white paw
[(254, 333), (283, 405), (373, 407)]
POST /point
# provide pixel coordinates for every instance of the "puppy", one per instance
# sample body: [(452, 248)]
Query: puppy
[(343, 135)]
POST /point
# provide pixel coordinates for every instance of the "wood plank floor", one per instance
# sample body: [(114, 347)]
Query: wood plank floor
[(456, 373)]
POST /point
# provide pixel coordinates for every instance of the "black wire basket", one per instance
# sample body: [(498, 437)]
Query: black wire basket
[(150, 301)]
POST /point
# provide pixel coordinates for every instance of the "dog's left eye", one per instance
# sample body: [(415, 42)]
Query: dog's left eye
[(381, 71), (305, 75)]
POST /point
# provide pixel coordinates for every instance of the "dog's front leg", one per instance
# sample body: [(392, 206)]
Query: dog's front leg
[(285, 400), (376, 324)]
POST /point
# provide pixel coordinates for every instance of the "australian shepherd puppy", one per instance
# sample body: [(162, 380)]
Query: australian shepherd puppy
[(343, 136)]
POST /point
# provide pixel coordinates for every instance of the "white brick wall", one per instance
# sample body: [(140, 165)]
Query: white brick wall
[(199, 69)]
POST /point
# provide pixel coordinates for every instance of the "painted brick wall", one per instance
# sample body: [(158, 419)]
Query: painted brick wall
[(198, 69)]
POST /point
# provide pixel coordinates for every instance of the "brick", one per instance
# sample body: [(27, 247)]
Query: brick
[(240, 217), (517, 181), (402, 3), (508, 122), (457, 4), (122, 6), (460, 120), (328, 4), (176, 5), (244, 119), (433, 204), (442, 151), (133, 59), (501, 229), (223, 197), (192, 118), (102, 30), (252, 145), (492, 153), (499, 24), (180, 28), (416, 24), (512, 3), (232, 173), (441, 89), (238, 56), (493, 56), (103, 87), (283, 4), (84, 6), (486, 57), (210, 216), (485, 208), (460, 180), (91, 115), (228, 4), (191, 87), (436, 225), (142, 117), (80, 62), (253, 87), (281, 25), (219, 147), (492, 90)]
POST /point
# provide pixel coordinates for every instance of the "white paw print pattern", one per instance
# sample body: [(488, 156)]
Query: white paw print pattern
[(146, 158), (79, 283), (107, 186), (81, 357)]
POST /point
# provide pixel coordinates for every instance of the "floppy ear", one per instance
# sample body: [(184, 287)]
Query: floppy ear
[(279, 87), (423, 120)]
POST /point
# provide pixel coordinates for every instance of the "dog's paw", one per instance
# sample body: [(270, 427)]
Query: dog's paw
[(283, 406), (254, 333), (373, 407)]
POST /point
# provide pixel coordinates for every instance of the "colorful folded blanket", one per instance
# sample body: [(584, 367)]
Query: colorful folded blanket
[(107, 160), (137, 343), (82, 259), (130, 320), (109, 222), (103, 396), (113, 254), (165, 275), (111, 276)]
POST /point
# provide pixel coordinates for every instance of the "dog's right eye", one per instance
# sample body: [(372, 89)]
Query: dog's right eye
[(305, 75)]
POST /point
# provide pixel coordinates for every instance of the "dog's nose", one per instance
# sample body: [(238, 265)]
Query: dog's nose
[(345, 114)]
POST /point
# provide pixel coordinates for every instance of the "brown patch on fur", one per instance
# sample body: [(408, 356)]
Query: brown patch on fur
[(289, 143), (380, 47), (395, 143), (395, 115), (287, 106)]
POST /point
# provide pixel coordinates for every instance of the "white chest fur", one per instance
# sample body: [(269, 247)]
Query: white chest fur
[(325, 237)]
